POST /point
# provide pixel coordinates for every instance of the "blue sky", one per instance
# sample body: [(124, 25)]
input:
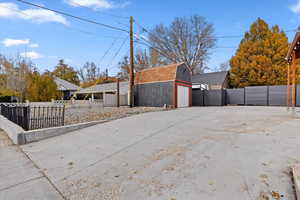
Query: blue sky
[(47, 37)]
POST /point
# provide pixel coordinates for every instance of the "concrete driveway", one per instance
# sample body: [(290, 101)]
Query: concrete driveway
[(207, 153)]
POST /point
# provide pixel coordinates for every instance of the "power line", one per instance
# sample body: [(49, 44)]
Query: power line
[(107, 51), (117, 53), (72, 28), (158, 50), (217, 37), (75, 17), (123, 56), (92, 33)]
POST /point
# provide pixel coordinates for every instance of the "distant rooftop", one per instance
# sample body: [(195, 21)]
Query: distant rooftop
[(214, 78), (107, 87), (63, 85)]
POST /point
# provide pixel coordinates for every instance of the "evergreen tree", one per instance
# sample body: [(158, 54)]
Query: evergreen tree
[(66, 73), (260, 58)]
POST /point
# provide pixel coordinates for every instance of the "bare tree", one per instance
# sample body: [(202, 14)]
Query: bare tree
[(224, 66), (141, 61), (13, 74), (89, 72), (187, 40)]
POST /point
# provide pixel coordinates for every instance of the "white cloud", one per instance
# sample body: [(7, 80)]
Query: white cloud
[(11, 10), (106, 4), (296, 7), (13, 42), (33, 45), (31, 55)]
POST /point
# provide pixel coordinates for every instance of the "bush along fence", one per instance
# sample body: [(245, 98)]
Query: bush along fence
[(248, 96), (34, 117)]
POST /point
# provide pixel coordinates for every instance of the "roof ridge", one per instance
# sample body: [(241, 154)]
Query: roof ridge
[(162, 66)]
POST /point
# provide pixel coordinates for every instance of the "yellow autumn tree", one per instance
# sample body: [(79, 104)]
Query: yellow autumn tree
[(40, 87), (260, 58)]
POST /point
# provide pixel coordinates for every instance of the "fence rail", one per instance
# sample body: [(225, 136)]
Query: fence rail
[(34, 117), (46, 116)]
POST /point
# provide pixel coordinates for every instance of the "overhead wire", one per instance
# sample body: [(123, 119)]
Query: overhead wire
[(116, 54), (107, 51), (72, 28), (146, 42), (75, 17)]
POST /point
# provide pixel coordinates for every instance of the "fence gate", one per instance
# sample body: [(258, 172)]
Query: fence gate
[(198, 97)]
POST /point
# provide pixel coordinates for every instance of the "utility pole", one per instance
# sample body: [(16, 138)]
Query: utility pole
[(118, 92), (131, 78)]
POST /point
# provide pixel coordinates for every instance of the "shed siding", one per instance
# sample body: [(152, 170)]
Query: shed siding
[(154, 94)]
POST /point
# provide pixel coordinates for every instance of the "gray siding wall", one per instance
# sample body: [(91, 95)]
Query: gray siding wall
[(277, 95), (257, 96), (235, 96), (183, 73), (214, 97), (198, 97), (154, 94)]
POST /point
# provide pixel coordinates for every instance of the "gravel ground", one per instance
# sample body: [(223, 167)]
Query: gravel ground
[(74, 115)]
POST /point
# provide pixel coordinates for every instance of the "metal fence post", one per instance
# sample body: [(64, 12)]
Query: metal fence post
[(63, 116), (26, 119)]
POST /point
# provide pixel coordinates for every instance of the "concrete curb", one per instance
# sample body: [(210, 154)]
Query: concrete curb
[(41, 134), (14, 131), (296, 178), (21, 137)]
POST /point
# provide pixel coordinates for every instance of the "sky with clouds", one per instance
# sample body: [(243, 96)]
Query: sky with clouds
[(45, 36)]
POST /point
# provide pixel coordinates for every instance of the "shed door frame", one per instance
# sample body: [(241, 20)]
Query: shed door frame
[(175, 91)]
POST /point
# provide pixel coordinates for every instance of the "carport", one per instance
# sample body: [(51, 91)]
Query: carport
[(292, 56)]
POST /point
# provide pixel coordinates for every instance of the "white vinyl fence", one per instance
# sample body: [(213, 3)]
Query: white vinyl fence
[(110, 100)]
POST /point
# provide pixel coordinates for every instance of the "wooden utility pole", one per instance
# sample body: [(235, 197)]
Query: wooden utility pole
[(131, 78), (294, 81), (289, 86), (118, 92)]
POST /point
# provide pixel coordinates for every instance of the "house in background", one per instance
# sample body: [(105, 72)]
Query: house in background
[(106, 92), (211, 81), (166, 85), (66, 88)]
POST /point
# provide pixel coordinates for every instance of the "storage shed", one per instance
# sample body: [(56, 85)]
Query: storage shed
[(168, 85)]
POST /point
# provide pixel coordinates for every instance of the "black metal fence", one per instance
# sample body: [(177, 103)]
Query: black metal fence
[(18, 114), (34, 117), (46, 116)]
